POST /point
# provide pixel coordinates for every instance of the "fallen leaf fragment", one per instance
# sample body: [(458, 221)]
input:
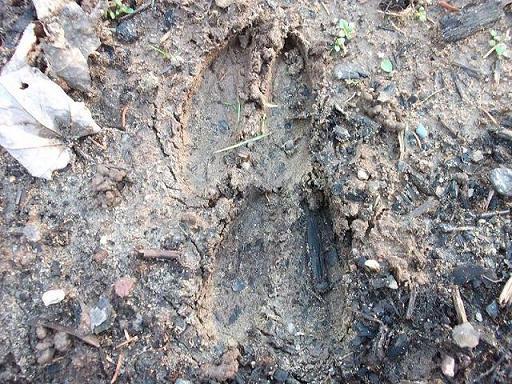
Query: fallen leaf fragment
[(53, 296), (38, 117), (71, 38)]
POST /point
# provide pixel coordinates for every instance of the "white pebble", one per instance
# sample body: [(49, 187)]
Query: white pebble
[(53, 296), (448, 366), (372, 265), (465, 335), (362, 175)]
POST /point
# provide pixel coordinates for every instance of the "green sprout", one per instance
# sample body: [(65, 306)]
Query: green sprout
[(165, 54), (421, 14), (386, 65), (345, 33), (498, 45), (116, 9)]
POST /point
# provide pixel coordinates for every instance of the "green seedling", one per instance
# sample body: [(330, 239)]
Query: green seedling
[(386, 65), (117, 9), (345, 33), (421, 14), (498, 45), (165, 54)]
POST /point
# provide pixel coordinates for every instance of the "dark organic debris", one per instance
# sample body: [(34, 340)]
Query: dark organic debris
[(455, 27)]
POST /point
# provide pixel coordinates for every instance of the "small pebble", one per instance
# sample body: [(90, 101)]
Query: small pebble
[(478, 317), (391, 282), (492, 310), (362, 175), (123, 286), (448, 366), (372, 265), (169, 19), (501, 179), (465, 336), (477, 156), (280, 375), (53, 296), (41, 332), (238, 285), (101, 316), (341, 134), (46, 356), (421, 131), (126, 31), (61, 341)]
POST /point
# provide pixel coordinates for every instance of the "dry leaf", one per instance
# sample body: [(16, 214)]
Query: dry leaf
[(71, 38), (38, 118)]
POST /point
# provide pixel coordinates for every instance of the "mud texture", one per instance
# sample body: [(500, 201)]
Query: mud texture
[(260, 275)]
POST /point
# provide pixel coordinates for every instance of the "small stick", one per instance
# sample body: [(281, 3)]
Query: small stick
[(412, 302), (449, 7), (118, 368), (490, 195), (429, 97), (158, 253), (486, 215), (325, 8), (89, 339), (449, 228), (123, 116), (126, 342), (491, 117), (136, 11), (251, 140), (459, 306), (391, 13)]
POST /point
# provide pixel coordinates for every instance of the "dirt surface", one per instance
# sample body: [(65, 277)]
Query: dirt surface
[(261, 275)]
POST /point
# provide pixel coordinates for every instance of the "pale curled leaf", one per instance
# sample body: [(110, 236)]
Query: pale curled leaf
[(37, 115)]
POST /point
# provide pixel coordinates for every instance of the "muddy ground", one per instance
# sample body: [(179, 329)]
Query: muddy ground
[(268, 280)]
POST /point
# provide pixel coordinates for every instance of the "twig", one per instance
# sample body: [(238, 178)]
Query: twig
[(430, 96), (447, 6), (491, 117), (123, 116), (448, 228), (118, 368), (158, 253), (459, 306), (412, 302), (126, 342), (486, 215), (89, 339), (136, 11), (325, 8), (251, 140), (392, 13)]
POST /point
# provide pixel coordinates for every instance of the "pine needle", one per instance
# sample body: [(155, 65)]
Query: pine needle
[(251, 140)]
